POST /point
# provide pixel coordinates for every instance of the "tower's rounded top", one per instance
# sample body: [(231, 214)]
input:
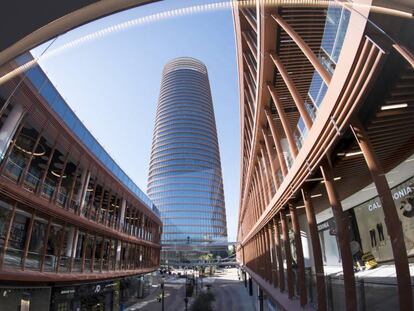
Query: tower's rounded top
[(185, 63)]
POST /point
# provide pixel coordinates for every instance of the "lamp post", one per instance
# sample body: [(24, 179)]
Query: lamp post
[(186, 302), (162, 294), (195, 270)]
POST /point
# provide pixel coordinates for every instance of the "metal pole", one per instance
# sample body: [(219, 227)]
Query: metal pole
[(317, 252), (288, 254), (342, 225), (260, 299), (299, 255), (162, 295)]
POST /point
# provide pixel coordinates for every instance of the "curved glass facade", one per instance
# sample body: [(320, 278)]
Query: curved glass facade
[(185, 180)]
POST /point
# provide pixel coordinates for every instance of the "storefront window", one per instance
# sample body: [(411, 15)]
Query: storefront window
[(66, 251), (27, 298), (18, 233), (88, 252), (89, 196), (53, 243), (106, 254), (371, 224), (53, 174), (77, 256), (329, 243), (112, 255), (124, 254), (97, 202), (23, 149), (98, 249), (38, 165), (68, 182), (36, 245), (5, 214)]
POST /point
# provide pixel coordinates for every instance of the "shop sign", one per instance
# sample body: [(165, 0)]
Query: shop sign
[(374, 206), (96, 288), (396, 196), (65, 293), (323, 226), (328, 225)]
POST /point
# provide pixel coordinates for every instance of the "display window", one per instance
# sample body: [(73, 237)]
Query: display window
[(371, 224)]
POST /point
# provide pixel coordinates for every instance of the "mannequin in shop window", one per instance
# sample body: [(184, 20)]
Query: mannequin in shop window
[(407, 207), (357, 255)]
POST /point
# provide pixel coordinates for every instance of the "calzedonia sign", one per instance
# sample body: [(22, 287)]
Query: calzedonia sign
[(330, 225), (397, 195)]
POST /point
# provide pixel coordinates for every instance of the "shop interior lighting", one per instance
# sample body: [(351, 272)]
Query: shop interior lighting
[(36, 153), (314, 179), (349, 154), (316, 195), (335, 179), (396, 106), (57, 175)]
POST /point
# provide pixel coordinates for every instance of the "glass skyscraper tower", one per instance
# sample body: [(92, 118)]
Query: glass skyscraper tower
[(185, 180)]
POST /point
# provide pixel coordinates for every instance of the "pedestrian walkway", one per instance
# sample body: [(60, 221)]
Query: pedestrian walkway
[(383, 273), (376, 288), (230, 294), (229, 291), (174, 294)]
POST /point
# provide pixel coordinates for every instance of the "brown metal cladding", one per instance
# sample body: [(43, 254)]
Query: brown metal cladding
[(293, 60)]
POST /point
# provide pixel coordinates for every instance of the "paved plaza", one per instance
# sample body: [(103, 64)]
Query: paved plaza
[(229, 292)]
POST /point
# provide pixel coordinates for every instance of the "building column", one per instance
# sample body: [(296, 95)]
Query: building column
[(299, 255), (307, 51), (269, 155), (288, 253), (292, 90), (276, 140), (316, 249), (392, 221), (260, 296), (284, 120), (85, 177), (71, 240), (267, 173), (342, 225), (266, 261), (9, 128), (273, 255), (122, 214), (265, 181), (269, 267), (250, 286), (279, 254)]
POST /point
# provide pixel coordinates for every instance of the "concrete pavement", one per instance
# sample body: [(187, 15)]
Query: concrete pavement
[(229, 292)]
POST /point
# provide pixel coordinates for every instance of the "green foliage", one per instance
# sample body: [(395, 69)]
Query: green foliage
[(231, 250), (203, 302), (207, 257)]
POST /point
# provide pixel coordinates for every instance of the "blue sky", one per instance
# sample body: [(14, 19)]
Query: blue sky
[(113, 83)]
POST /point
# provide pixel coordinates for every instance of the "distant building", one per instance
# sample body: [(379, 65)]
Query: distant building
[(185, 179)]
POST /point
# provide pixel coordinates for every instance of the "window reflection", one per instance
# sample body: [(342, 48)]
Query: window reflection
[(18, 236), (52, 248)]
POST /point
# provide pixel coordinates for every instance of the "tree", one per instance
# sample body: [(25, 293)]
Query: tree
[(203, 302)]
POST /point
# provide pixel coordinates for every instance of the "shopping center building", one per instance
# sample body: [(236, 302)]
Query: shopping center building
[(76, 233), (327, 110)]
